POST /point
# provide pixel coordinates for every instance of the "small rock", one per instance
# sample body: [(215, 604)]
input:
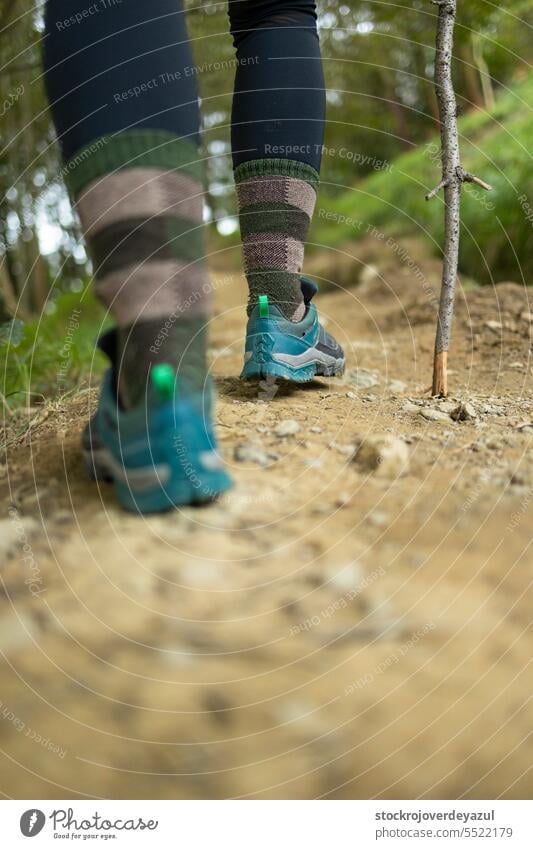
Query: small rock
[(527, 316), (434, 415), (250, 452), (368, 274), (363, 379), (351, 395), (495, 326), (516, 365), (378, 518), (447, 406), (347, 450), (316, 429), (397, 386), (464, 412), (288, 427), (409, 407), (343, 499), (203, 573), (346, 578), (383, 454)]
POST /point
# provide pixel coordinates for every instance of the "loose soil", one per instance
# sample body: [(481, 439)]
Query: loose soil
[(328, 629)]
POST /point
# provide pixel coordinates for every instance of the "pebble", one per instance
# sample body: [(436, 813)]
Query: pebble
[(409, 407), (203, 573), (378, 518), (464, 412), (347, 450), (385, 455), (252, 452), (447, 406), (363, 379), (368, 274), (346, 578), (288, 427), (397, 386), (434, 415)]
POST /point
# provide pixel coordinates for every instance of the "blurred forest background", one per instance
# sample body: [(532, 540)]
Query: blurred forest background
[(381, 156)]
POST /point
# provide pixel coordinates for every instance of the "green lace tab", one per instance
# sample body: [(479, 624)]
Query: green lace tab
[(164, 379)]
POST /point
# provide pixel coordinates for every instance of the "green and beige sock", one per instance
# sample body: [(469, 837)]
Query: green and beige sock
[(276, 200), (139, 197)]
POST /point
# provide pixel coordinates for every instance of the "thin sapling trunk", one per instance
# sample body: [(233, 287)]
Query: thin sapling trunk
[(453, 176)]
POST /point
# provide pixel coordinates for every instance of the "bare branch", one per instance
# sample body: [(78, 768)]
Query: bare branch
[(461, 176), (471, 178), (443, 183), (453, 177)]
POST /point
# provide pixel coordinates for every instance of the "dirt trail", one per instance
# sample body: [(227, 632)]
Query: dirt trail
[(325, 630)]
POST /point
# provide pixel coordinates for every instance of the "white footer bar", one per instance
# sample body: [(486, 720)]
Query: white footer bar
[(267, 824)]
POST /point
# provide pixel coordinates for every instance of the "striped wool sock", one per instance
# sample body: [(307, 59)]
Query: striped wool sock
[(139, 195), (276, 200)]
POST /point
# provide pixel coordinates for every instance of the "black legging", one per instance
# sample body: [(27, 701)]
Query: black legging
[(279, 102), (121, 65)]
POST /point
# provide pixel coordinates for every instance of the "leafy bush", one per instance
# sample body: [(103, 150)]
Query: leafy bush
[(496, 226)]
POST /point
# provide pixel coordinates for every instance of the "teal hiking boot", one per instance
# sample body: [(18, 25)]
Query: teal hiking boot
[(162, 453), (293, 350)]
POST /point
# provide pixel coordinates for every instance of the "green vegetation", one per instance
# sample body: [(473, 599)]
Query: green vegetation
[(50, 355), (497, 226)]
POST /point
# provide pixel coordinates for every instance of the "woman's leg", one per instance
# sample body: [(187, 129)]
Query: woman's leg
[(277, 136), (126, 114)]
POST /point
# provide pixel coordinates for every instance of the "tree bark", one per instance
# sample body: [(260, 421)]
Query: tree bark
[(453, 176), (452, 188)]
